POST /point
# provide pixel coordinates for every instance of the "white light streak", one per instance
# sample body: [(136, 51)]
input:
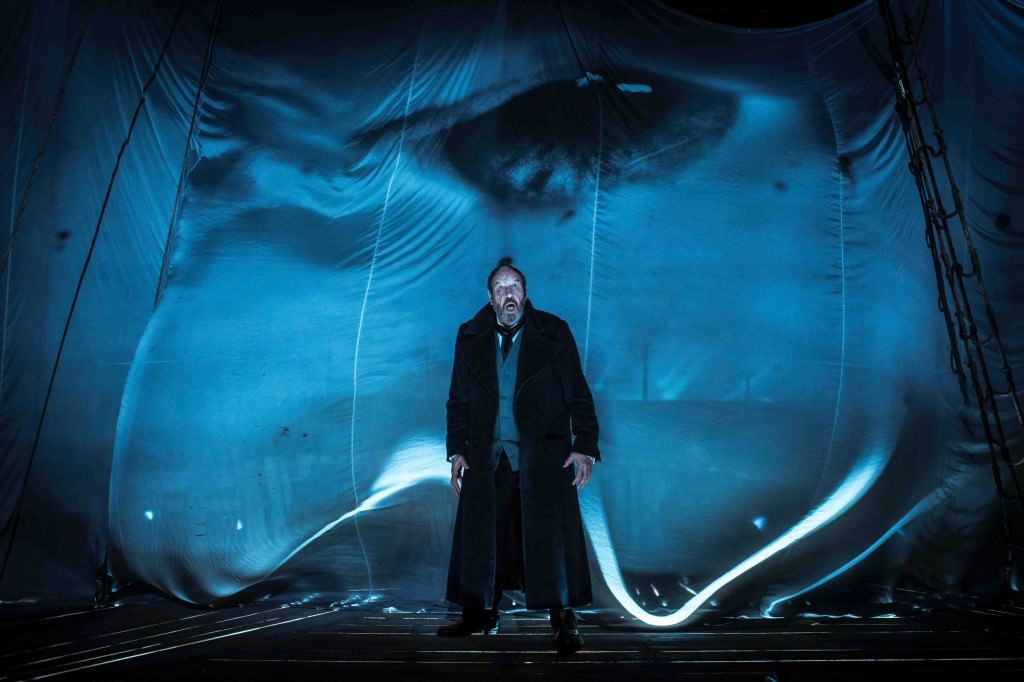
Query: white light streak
[(924, 505), (422, 461), (860, 479)]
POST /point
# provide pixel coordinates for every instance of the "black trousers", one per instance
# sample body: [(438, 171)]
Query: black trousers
[(508, 537), (508, 569)]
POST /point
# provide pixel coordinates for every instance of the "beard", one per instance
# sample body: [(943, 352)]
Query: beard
[(509, 317)]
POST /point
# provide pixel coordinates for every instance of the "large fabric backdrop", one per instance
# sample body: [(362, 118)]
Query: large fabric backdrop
[(241, 259)]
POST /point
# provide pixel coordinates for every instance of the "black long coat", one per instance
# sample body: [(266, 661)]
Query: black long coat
[(555, 414)]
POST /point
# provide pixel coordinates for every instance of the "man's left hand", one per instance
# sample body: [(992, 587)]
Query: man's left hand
[(584, 464)]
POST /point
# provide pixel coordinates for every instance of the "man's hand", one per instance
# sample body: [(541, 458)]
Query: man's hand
[(458, 466), (584, 463)]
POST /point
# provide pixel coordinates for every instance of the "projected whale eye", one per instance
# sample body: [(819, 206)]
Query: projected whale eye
[(541, 146)]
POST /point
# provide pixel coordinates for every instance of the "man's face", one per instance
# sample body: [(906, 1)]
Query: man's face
[(507, 296)]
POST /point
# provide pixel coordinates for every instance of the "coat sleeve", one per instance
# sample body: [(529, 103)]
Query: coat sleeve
[(458, 406), (578, 398)]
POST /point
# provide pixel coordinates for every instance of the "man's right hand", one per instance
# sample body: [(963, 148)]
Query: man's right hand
[(458, 466)]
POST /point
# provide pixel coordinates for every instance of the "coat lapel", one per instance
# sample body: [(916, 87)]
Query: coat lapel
[(536, 351), (479, 349)]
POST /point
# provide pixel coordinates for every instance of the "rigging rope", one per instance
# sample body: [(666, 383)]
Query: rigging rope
[(106, 581), (169, 242), (950, 276)]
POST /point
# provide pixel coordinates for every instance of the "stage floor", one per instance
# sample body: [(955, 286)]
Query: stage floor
[(146, 639)]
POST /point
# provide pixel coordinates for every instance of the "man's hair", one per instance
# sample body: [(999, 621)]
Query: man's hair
[(505, 262)]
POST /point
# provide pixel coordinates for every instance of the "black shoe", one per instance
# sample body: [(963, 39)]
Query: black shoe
[(567, 634), (489, 626)]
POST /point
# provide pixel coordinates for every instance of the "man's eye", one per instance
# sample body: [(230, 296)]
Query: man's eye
[(541, 147)]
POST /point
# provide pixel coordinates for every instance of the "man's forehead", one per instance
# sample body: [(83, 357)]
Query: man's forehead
[(506, 276)]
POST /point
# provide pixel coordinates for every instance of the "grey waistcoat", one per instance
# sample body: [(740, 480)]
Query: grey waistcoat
[(506, 431)]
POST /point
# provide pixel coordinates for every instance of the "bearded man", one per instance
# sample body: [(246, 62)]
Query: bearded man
[(522, 439)]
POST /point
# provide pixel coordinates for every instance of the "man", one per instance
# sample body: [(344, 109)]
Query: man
[(522, 439)]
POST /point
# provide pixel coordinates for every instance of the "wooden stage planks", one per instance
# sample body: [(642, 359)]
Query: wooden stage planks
[(148, 639)]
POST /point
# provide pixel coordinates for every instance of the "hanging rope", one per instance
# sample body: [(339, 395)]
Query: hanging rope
[(68, 69), (961, 325), (12, 524), (169, 242), (106, 581)]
